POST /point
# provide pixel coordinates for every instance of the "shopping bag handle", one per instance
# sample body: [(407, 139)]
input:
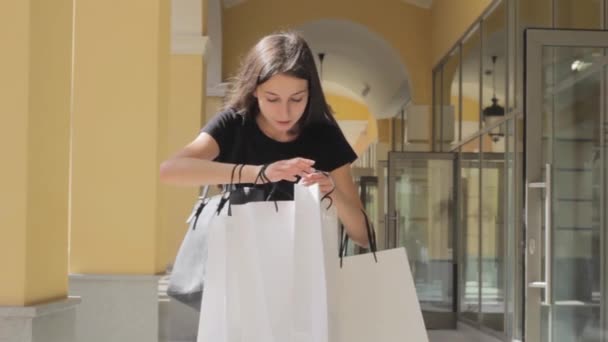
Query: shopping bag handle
[(260, 178), (202, 202), (264, 178), (371, 236), (328, 194), (226, 195)]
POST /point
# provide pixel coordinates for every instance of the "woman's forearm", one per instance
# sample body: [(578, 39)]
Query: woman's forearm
[(186, 171), (352, 217)]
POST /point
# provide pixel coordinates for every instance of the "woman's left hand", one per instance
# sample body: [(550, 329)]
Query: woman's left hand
[(326, 184)]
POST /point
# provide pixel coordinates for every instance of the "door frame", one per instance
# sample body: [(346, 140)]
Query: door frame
[(433, 320), (535, 40)]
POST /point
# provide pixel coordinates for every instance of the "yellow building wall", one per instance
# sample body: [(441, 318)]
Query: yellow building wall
[(188, 104), (121, 87), (348, 109), (213, 104), (450, 20), (579, 14), (405, 27), (384, 131), (14, 34), (186, 116), (34, 143)]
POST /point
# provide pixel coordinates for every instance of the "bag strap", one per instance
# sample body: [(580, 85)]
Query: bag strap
[(226, 195), (327, 195), (203, 199), (371, 236)]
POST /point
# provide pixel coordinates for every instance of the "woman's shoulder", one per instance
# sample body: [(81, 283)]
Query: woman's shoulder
[(228, 117), (325, 130), (224, 120), (329, 147), (223, 125)]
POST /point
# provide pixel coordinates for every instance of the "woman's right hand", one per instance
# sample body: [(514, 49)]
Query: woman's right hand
[(289, 169)]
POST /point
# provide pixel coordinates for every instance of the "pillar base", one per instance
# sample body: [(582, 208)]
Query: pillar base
[(116, 308), (178, 322), (49, 322)]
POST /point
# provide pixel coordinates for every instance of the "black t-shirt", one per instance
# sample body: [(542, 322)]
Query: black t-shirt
[(242, 142)]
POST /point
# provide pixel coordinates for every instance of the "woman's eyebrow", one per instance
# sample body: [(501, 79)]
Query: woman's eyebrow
[(300, 92)]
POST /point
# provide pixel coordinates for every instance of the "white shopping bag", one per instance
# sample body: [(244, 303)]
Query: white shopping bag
[(361, 301), (212, 320), (378, 301), (254, 247), (315, 268), (275, 277), (261, 268)]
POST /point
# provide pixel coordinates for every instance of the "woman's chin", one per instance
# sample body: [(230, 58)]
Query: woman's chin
[(284, 128)]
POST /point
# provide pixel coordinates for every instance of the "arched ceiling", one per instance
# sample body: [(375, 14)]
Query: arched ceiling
[(361, 62)]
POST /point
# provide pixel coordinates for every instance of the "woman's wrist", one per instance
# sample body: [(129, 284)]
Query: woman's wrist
[(250, 173)]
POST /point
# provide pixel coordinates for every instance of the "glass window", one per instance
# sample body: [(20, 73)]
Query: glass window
[(469, 206), (451, 98), (494, 66), (493, 240), (398, 132), (470, 83), (437, 84)]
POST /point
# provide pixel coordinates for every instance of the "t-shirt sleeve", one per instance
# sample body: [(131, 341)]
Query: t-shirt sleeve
[(336, 151), (223, 128)]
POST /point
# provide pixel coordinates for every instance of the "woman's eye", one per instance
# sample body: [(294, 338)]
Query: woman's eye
[(296, 100), (272, 100)]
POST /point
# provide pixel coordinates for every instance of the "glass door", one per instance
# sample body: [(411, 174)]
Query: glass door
[(566, 73), (368, 191), (381, 226), (420, 218)]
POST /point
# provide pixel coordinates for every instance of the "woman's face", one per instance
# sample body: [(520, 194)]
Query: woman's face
[(282, 101)]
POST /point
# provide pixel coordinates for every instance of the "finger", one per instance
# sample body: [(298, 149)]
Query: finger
[(302, 172), (315, 179), (312, 176), (323, 175), (306, 161), (306, 181), (305, 165), (309, 179), (326, 187), (305, 169), (324, 191)]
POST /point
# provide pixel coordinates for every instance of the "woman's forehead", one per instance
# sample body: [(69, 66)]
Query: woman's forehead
[(284, 85)]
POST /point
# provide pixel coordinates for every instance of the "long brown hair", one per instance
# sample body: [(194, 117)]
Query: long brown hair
[(279, 53)]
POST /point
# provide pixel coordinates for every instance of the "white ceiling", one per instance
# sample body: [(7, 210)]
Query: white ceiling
[(334, 88), (352, 129), (356, 58)]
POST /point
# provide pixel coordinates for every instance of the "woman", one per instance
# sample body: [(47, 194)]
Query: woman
[(276, 121)]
